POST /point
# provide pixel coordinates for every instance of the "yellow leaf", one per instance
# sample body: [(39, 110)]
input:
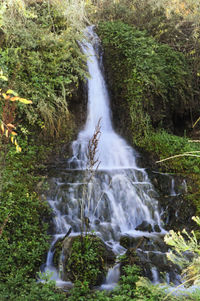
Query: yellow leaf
[(11, 92), (16, 142), (18, 149), (10, 125), (15, 98), (12, 139), (5, 96), (3, 78), (14, 133), (2, 127), (6, 133), (25, 101)]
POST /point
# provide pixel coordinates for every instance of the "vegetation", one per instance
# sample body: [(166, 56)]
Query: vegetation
[(155, 80), (42, 61), (186, 253), (157, 90), (41, 58), (86, 260), (151, 55), (23, 241)]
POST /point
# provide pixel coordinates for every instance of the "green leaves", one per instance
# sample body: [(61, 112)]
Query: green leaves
[(153, 78), (184, 243)]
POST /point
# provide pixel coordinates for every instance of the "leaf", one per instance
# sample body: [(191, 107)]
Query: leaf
[(13, 133), (16, 142), (3, 78), (10, 125), (5, 96), (6, 133), (18, 148), (12, 139), (11, 92), (25, 101), (2, 127), (15, 98)]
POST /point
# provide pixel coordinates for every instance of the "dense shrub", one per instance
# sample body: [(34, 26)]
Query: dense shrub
[(43, 61), (154, 80)]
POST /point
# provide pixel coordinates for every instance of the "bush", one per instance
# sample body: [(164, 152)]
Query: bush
[(154, 80), (44, 63)]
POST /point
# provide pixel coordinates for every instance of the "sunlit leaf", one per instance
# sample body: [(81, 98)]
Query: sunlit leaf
[(25, 101), (6, 133), (14, 98), (11, 92), (12, 139), (2, 127), (3, 78), (5, 96), (11, 125), (18, 148), (14, 133)]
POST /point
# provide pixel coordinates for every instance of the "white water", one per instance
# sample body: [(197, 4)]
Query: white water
[(112, 278), (119, 196), (123, 189)]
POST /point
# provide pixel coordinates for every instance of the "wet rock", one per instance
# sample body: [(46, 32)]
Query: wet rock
[(127, 241), (152, 243), (157, 228), (97, 222), (57, 253), (150, 261), (144, 226)]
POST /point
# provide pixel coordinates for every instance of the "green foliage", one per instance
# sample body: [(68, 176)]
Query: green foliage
[(186, 253), (23, 243), (147, 291), (85, 262), (20, 289), (175, 23), (80, 292), (42, 59), (154, 79), (22, 235), (128, 282), (131, 287), (164, 145)]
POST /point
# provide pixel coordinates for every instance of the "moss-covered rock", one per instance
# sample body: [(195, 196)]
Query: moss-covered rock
[(84, 258)]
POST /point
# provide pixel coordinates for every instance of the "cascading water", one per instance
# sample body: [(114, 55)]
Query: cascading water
[(118, 196), (121, 194)]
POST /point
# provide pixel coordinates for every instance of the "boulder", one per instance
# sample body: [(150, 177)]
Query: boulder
[(85, 258), (145, 227), (157, 228)]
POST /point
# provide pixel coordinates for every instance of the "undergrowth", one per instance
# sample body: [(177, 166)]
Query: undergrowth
[(43, 61), (154, 80), (23, 238)]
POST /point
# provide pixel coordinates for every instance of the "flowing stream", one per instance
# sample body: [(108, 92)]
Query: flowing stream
[(117, 196)]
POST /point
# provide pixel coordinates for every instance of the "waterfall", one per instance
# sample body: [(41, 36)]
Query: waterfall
[(120, 195), (117, 196)]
